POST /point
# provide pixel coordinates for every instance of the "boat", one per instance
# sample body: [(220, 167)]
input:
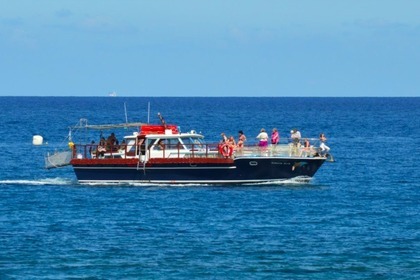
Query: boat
[(162, 154)]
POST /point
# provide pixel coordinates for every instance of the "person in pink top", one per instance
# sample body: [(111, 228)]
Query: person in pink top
[(275, 137)]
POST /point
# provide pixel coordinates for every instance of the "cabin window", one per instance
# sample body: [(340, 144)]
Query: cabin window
[(131, 147), (173, 144), (159, 144), (193, 142)]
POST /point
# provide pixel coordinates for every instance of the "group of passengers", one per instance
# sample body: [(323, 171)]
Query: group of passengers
[(228, 145), (298, 146), (111, 144)]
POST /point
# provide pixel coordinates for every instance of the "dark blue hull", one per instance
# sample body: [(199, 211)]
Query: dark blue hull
[(240, 170)]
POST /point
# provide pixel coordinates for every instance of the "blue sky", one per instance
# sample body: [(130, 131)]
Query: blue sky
[(210, 48)]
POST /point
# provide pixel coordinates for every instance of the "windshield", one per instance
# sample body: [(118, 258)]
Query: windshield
[(189, 142)]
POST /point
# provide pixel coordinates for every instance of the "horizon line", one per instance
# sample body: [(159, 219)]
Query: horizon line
[(194, 96)]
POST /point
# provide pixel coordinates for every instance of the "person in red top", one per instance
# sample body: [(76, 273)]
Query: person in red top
[(275, 137)]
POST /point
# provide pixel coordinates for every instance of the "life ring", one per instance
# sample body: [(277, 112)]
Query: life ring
[(226, 150)]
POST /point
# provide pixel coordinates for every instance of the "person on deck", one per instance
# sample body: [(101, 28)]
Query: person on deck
[(324, 148), (232, 142), (224, 138), (275, 137), (123, 145), (306, 149), (263, 137), (111, 141), (101, 148), (295, 136), (241, 140), (92, 149)]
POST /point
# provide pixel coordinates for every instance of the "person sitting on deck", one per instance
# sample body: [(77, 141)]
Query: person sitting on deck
[(122, 146), (100, 152), (111, 142), (307, 149)]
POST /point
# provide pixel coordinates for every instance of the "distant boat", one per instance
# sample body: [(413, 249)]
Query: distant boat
[(112, 94)]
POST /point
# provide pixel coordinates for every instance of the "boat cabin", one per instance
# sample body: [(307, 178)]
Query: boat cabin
[(158, 141)]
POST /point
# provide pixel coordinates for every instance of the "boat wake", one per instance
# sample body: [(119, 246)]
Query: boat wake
[(40, 182), (66, 181), (158, 185), (293, 181)]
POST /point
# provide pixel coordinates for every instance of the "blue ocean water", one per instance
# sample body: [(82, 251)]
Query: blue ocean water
[(357, 219)]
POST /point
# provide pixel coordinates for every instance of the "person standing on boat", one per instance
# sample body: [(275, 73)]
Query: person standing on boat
[(275, 137), (241, 140), (263, 137), (324, 148), (231, 142), (224, 138), (295, 136)]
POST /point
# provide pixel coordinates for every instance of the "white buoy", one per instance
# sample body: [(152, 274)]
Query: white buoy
[(37, 140)]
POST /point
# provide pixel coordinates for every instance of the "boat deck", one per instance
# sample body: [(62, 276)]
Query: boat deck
[(207, 151)]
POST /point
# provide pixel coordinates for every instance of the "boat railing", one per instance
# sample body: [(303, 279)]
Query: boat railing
[(184, 151), (95, 151), (286, 148)]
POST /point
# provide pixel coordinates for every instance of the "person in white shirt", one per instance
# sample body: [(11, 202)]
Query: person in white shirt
[(324, 148), (295, 135), (263, 137)]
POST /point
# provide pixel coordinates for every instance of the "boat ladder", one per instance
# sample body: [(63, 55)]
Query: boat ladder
[(139, 163)]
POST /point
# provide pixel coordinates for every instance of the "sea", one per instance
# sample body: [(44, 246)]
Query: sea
[(358, 218)]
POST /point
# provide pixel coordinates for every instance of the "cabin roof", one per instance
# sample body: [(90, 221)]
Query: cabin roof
[(166, 136)]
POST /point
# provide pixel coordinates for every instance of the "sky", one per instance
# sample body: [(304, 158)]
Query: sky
[(302, 48)]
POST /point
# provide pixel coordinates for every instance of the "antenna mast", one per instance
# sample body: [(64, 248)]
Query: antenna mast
[(125, 110), (148, 112)]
